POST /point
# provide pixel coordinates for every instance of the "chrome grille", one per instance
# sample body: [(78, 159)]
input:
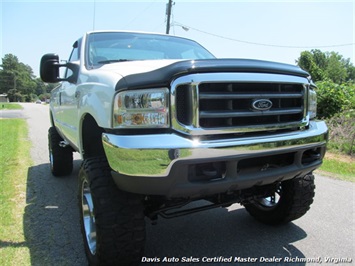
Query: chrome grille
[(231, 104), (225, 103)]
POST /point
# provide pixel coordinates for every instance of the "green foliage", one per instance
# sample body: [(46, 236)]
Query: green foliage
[(43, 97), (334, 98), (336, 69), (18, 82), (336, 103), (326, 66), (308, 62), (335, 77)]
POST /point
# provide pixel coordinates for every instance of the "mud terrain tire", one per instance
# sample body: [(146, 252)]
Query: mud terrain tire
[(112, 221), (291, 201)]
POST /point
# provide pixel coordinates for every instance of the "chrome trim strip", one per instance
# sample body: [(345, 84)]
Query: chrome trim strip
[(128, 154), (208, 96), (195, 105), (211, 114)]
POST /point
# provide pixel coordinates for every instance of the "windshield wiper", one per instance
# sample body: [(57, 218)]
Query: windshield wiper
[(113, 61)]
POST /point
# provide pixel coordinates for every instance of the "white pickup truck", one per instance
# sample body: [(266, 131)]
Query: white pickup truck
[(160, 123)]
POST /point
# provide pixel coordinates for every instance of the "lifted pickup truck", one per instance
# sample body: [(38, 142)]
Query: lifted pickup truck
[(160, 123)]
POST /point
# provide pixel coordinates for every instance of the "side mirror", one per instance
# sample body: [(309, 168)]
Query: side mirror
[(49, 68)]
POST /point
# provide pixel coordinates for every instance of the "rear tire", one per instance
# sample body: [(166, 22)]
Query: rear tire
[(112, 221), (61, 158), (291, 200)]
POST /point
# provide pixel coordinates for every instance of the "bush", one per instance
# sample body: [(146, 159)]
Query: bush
[(342, 132), (334, 98)]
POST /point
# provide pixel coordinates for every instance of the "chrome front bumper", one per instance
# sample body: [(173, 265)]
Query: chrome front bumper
[(160, 164), (159, 152)]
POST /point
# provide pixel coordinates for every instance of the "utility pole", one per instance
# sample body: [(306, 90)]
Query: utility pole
[(168, 13)]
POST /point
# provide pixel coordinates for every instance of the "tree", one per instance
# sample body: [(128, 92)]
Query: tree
[(15, 96), (326, 66), (8, 73), (311, 62), (350, 69), (40, 87), (336, 69), (50, 87), (16, 79)]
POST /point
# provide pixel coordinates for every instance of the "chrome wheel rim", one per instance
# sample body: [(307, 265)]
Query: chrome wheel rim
[(51, 158), (88, 218), (50, 153), (272, 201)]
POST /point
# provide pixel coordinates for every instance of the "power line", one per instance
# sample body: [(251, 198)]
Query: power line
[(186, 27), (139, 14)]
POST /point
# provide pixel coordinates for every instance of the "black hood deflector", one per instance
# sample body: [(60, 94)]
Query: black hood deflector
[(162, 77)]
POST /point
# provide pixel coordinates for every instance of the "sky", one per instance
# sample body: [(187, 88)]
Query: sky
[(267, 30)]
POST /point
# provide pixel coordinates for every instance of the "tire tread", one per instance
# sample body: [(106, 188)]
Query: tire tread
[(119, 217), (296, 199)]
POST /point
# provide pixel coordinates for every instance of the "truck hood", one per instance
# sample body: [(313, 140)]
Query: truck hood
[(160, 73), (136, 67)]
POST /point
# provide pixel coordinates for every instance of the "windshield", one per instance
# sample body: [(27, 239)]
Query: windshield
[(110, 47)]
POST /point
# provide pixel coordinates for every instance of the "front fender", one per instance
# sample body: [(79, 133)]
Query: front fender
[(97, 101)]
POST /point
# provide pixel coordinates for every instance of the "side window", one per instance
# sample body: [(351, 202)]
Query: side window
[(74, 56)]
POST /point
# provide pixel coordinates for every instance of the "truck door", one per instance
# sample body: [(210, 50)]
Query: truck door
[(69, 101)]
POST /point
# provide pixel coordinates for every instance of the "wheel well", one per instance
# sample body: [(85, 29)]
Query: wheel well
[(91, 138)]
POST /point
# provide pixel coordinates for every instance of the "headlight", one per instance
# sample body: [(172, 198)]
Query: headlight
[(312, 103), (141, 109)]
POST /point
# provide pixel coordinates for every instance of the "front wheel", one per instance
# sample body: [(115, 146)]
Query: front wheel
[(112, 221), (290, 201)]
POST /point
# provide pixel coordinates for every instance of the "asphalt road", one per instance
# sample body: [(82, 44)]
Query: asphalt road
[(51, 222)]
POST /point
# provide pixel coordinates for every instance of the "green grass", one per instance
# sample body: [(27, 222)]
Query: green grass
[(10, 106), (338, 166), (14, 163)]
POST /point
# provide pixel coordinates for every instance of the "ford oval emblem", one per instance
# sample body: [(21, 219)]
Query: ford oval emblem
[(261, 104)]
